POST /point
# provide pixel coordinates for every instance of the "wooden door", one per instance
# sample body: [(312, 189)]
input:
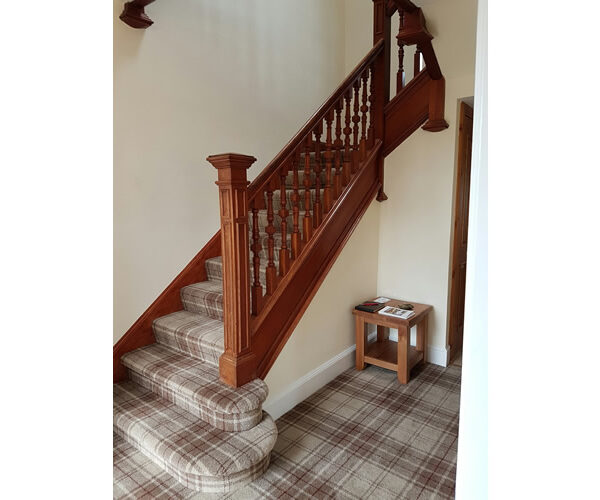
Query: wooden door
[(461, 222)]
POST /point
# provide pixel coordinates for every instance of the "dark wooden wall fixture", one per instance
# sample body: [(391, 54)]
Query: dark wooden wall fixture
[(134, 14), (461, 224), (344, 143)]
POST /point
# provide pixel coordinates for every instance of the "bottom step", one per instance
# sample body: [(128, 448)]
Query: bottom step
[(197, 454), (137, 476)]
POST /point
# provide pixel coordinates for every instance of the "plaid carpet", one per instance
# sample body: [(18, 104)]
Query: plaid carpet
[(361, 436)]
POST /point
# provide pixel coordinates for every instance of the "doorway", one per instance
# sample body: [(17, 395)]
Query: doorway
[(460, 232)]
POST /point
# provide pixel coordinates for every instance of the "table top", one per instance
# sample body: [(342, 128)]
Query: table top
[(420, 310)]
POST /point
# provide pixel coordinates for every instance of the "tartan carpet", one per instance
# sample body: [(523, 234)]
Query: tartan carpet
[(363, 435)]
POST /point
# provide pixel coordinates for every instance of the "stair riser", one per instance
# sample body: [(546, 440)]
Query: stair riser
[(208, 352), (206, 484), (209, 303), (223, 421)]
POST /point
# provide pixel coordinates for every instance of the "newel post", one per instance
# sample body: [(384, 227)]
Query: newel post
[(381, 79), (237, 365)]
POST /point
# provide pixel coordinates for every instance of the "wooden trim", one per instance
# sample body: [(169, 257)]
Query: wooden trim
[(406, 112), (237, 364), (277, 321), (460, 230), (134, 14), (259, 184), (437, 102), (140, 334)]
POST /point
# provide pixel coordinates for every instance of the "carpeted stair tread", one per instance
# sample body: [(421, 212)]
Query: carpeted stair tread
[(192, 334), (204, 298), (196, 385), (195, 453), (136, 476)]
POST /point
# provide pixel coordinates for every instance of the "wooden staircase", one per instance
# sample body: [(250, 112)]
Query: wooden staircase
[(281, 233)]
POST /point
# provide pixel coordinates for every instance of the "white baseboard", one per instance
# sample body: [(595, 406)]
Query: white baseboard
[(311, 382)]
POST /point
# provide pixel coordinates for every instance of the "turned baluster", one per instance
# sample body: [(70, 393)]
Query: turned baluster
[(270, 230), (317, 208), (400, 74), (364, 108), (256, 247), (371, 131), (347, 131), (356, 121), (307, 222), (327, 192), (296, 238), (417, 60), (337, 184), (284, 254)]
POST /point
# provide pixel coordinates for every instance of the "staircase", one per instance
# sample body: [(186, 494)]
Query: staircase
[(188, 389)]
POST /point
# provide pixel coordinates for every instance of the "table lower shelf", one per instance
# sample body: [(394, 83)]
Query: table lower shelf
[(385, 354)]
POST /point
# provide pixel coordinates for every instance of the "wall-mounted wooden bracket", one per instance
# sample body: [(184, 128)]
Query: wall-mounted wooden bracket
[(134, 15)]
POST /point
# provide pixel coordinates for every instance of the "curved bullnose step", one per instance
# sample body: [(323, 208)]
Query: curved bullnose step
[(199, 456), (195, 386)]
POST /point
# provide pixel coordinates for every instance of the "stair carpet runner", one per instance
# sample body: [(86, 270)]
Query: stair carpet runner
[(175, 410)]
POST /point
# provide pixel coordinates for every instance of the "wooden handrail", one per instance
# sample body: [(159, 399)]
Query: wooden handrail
[(134, 14), (259, 184)]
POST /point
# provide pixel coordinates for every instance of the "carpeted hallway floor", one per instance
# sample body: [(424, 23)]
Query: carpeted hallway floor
[(363, 435)]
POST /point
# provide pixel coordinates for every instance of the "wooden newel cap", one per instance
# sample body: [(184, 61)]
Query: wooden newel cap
[(231, 160)]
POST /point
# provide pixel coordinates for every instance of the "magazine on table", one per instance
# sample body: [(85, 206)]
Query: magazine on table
[(396, 312)]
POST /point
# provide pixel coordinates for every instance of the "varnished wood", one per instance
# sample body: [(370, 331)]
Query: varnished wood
[(284, 253), (400, 73), (406, 112), (364, 109), (296, 236), (317, 207), (460, 230), (237, 365), (328, 190), (422, 336), (347, 167), (134, 14), (398, 356), (271, 271), (278, 319), (417, 61), (383, 333), (256, 247), (356, 129), (403, 345), (140, 334), (259, 183), (437, 99), (307, 223), (338, 184), (361, 340)]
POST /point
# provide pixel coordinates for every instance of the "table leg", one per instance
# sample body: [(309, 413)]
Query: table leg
[(360, 342), (403, 346), (383, 333), (422, 337)]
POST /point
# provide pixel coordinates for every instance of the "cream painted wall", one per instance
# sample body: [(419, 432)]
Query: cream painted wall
[(206, 78), (327, 327), (415, 222)]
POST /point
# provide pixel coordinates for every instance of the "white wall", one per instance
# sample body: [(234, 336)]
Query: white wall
[(415, 222), (208, 77), (472, 460)]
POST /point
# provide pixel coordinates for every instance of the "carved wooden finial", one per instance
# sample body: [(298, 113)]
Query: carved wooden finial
[(134, 15)]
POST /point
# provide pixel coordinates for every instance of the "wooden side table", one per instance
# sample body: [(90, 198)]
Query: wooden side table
[(401, 356)]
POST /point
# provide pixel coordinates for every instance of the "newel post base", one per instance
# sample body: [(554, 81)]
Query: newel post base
[(437, 93), (237, 365)]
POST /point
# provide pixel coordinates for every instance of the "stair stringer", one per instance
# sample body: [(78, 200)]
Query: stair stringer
[(296, 291)]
